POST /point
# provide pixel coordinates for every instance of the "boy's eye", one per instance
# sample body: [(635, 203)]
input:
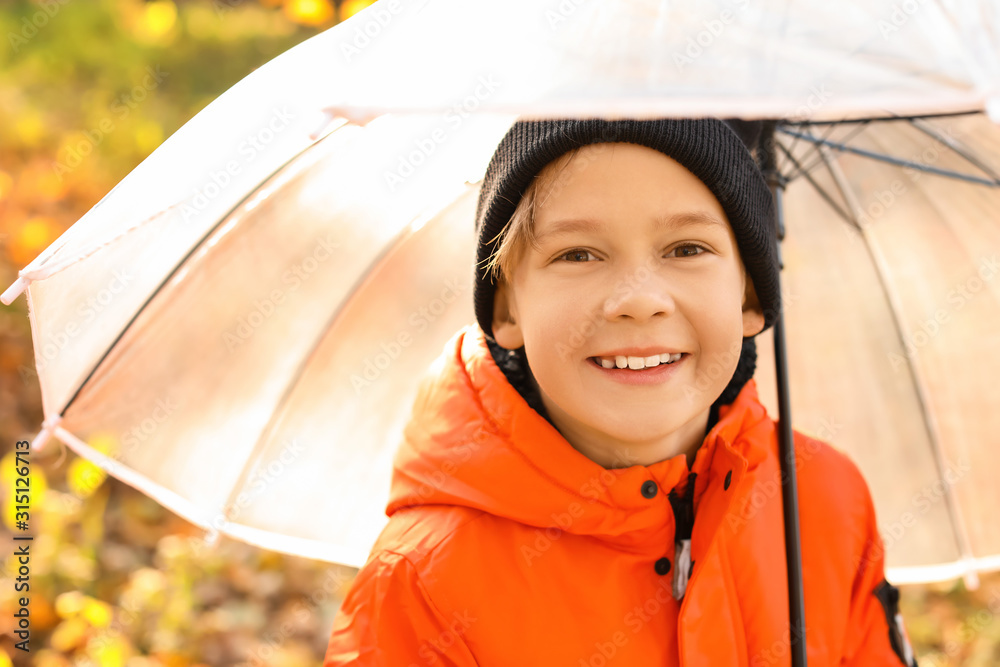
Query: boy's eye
[(576, 254), (579, 255), (689, 250)]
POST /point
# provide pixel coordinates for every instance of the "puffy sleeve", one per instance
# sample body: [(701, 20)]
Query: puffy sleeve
[(875, 634), (387, 619)]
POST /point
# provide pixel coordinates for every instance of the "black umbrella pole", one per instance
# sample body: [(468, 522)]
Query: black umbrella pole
[(790, 502), (786, 449)]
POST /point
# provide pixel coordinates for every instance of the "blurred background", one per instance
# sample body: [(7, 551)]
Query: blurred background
[(116, 580)]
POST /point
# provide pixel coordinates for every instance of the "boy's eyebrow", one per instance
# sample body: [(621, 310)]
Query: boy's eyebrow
[(660, 223)]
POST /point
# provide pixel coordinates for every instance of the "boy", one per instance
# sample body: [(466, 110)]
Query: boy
[(588, 477)]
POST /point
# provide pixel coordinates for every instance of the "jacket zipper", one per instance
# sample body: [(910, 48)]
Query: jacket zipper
[(683, 507)]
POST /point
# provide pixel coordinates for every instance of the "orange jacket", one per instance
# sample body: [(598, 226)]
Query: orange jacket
[(506, 546)]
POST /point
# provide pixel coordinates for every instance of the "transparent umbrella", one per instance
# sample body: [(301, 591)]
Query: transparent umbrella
[(239, 327)]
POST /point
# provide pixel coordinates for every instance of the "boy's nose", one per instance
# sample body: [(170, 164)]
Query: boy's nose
[(639, 295)]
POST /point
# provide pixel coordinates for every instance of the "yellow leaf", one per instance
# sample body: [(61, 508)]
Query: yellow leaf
[(4, 659), (37, 233), (83, 477), (143, 585), (109, 650), (35, 490), (29, 128), (69, 634), (309, 12), (148, 135), (70, 603), (97, 613), (352, 7), (32, 238), (161, 15)]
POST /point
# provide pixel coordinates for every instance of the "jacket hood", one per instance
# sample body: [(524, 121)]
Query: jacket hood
[(473, 441)]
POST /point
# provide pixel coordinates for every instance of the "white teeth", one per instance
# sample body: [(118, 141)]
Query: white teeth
[(639, 363)]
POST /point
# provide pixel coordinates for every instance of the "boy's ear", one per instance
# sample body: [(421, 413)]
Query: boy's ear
[(506, 330), (753, 314)]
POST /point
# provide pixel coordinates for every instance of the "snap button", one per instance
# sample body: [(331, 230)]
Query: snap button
[(648, 488), (662, 566), (729, 478)]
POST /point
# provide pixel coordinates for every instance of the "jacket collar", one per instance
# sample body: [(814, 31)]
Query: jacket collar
[(474, 441)]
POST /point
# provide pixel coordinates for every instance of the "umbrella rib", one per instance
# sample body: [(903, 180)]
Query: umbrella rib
[(853, 133), (819, 160), (811, 138), (958, 147), (895, 160), (920, 383), (970, 112), (408, 229), (790, 152), (823, 193), (786, 153), (191, 253)]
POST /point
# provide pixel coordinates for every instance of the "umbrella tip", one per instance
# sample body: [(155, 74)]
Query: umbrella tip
[(48, 428), (14, 290)]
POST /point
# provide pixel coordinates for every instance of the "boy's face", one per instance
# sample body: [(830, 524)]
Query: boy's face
[(629, 282)]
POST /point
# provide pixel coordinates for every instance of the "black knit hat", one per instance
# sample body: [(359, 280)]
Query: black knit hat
[(717, 152)]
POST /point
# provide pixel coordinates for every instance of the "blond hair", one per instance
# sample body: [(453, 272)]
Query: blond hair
[(519, 232)]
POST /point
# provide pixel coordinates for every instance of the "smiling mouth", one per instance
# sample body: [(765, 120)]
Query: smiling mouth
[(637, 363)]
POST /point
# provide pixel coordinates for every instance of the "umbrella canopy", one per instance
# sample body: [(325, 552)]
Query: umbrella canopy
[(647, 58), (893, 320), (211, 372), (243, 340)]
